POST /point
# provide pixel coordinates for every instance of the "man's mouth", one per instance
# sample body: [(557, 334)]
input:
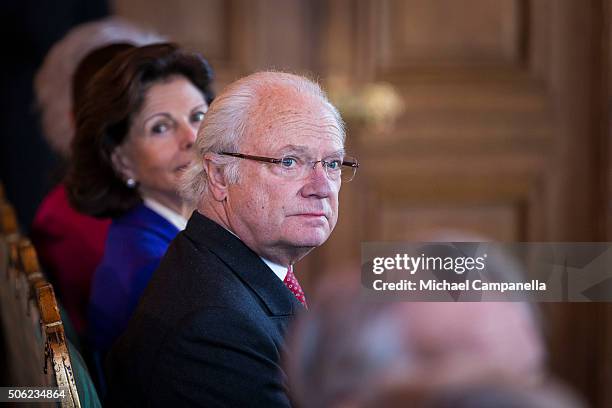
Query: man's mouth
[(311, 215)]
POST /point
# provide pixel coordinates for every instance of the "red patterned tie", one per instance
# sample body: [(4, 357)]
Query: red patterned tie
[(294, 286)]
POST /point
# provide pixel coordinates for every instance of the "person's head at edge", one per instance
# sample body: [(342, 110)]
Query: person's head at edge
[(279, 213), (345, 341), (54, 83), (135, 129)]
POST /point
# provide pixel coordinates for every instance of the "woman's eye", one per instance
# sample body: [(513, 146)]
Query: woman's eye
[(160, 128), (288, 162), (197, 116)]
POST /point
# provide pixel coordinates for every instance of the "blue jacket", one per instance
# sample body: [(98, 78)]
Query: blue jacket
[(135, 244)]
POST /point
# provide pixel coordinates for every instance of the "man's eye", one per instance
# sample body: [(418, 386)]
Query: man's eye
[(289, 162), (334, 164), (197, 116)]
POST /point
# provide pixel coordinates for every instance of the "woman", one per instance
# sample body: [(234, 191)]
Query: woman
[(58, 231), (135, 130)]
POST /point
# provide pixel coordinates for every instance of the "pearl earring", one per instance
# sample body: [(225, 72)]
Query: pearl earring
[(131, 183)]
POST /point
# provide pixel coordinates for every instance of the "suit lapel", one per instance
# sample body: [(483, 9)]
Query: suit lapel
[(245, 263)]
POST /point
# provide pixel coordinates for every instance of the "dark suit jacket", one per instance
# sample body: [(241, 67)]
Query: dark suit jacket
[(208, 330)]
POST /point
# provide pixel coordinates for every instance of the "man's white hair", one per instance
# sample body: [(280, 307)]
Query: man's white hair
[(53, 81), (227, 120)]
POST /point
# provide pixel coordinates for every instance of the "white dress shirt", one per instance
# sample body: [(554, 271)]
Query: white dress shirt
[(279, 270)]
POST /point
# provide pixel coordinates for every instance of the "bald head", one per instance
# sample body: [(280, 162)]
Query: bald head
[(245, 108)]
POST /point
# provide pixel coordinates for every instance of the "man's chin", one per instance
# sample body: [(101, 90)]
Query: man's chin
[(309, 245), (310, 239)]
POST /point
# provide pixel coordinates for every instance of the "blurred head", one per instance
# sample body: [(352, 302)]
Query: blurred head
[(345, 350), (54, 85), (488, 393), (279, 212), (136, 128)]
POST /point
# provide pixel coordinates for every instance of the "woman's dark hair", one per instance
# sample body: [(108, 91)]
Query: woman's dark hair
[(89, 65), (110, 101)]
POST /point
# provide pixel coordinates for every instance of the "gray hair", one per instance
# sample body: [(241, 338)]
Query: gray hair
[(227, 120), (53, 81)]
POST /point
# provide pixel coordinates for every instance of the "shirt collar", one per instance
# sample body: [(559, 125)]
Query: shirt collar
[(169, 215), (279, 270)]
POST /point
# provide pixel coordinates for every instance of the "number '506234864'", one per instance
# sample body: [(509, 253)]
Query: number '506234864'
[(36, 393)]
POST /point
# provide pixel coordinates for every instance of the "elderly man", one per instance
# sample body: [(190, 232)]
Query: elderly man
[(209, 329)]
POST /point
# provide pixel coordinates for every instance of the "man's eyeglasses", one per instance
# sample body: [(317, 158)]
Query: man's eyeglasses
[(295, 167)]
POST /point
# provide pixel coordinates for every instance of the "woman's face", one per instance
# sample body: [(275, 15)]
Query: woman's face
[(157, 147)]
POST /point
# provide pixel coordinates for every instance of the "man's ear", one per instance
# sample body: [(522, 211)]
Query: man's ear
[(122, 164), (217, 183)]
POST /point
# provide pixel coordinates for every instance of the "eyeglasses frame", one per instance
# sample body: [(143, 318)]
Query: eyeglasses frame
[(353, 165)]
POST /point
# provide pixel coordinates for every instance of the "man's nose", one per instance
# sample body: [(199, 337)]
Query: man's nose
[(318, 182)]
